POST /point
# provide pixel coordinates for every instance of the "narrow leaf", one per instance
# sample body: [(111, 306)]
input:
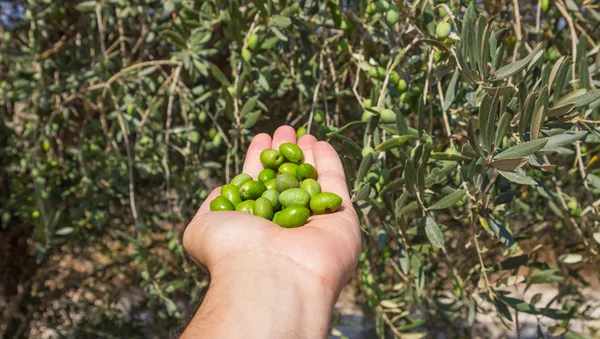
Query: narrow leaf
[(451, 91), (434, 233), (448, 200), (523, 150), (518, 177), (508, 164), (515, 67)]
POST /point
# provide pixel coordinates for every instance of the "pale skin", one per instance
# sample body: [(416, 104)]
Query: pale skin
[(268, 281)]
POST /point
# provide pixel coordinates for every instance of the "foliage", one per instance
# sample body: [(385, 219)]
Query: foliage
[(469, 156)]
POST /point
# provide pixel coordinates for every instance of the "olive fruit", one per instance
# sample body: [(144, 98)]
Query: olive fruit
[(288, 168), (325, 202), (263, 208), (271, 158), (266, 175), (232, 193), (245, 206), (306, 171), (294, 197), (388, 116), (273, 196), (271, 183), (293, 216), (286, 181), (221, 204), (311, 186), (251, 190), (240, 179), (291, 152), (443, 29)]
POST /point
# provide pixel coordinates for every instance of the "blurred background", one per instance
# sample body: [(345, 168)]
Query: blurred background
[(118, 117)]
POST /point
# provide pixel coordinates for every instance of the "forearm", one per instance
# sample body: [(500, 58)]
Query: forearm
[(263, 299)]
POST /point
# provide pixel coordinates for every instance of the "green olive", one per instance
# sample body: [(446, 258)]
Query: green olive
[(326, 202), (366, 151), (372, 177), (273, 196), (294, 197), (291, 152), (392, 15), (232, 193), (286, 181), (271, 184), (246, 55), (251, 190), (245, 206), (311, 186), (266, 175), (377, 73), (377, 7), (293, 216), (301, 131), (306, 171), (194, 137), (271, 158), (221, 204), (240, 179), (388, 116), (288, 168), (252, 41), (443, 29), (442, 12), (263, 208), (394, 77), (402, 86), (276, 216)]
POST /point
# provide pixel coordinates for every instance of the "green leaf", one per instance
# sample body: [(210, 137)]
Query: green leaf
[(393, 142), (449, 200), (278, 34), (563, 139), (280, 21), (410, 176), (451, 91), (250, 119), (523, 149), (434, 233), (545, 277), (515, 67), (584, 73), (579, 99), (249, 105), (518, 176), (473, 138), (220, 76), (401, 124), (503, 127), (522, 306)]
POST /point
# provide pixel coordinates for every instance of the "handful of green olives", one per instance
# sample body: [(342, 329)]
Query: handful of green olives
[(286, 191)]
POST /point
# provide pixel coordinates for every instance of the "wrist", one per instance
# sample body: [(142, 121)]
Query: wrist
[(258, 293)]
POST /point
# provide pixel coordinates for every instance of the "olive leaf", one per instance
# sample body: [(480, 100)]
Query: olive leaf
[(523, 149), (434, 233), (448, 200), (508, 164), (518, 176), (515, 67)]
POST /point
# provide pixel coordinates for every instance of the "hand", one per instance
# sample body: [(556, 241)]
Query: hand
[(290, 274)]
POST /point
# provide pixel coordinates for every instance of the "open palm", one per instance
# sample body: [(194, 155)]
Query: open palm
[(326, 247)]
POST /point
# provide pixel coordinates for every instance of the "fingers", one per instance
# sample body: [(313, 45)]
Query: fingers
[(306, 143), (331, 171), (283, 134), (252, 165)]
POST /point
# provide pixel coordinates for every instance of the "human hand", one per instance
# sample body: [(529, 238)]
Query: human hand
[(311, 263)]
